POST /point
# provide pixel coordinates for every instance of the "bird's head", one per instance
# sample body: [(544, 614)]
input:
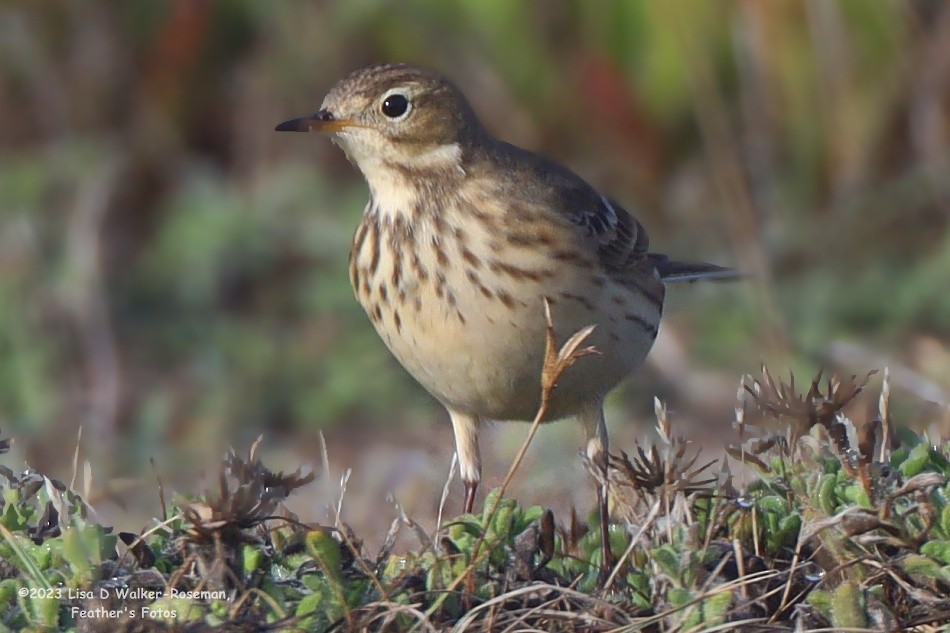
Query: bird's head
[(395, 117)]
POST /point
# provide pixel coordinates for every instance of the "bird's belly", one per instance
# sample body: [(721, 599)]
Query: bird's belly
[(480, 350), (468, 323)]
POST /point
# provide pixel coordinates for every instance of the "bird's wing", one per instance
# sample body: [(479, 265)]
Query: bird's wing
[(623, 247), (621, 240), (600, 224)]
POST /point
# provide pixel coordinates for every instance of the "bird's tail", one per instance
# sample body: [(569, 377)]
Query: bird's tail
[(673, 272)]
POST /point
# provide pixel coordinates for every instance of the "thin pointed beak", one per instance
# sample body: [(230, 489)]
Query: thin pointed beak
[(322, 121)]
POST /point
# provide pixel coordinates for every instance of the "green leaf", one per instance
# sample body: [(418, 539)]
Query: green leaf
[(847, 606), (18, 546), (528, 516), (773, 504), (678, 597), (922, 565), (489, 502), (42, 554), (13, 518), (500, 528), (8, 589), (788, 528), (44, 611), (939, 550), (827, 499), (310, 604), (855, 493), (87, 547), (821, 600), (252, 558), (716, 607), (326, 551), (916, 461), (668, 560)]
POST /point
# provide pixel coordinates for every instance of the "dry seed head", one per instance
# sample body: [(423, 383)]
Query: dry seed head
[(662, 420)]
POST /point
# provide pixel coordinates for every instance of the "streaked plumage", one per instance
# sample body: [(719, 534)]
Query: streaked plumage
[(463, 237)]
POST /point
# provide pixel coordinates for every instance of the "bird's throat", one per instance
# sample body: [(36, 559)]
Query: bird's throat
[(415, 186)]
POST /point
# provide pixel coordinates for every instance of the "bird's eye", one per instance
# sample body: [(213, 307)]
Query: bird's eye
[(395, 105)]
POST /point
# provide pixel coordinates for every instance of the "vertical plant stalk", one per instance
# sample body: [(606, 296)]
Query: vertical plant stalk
[(885, 411), (555, 363)]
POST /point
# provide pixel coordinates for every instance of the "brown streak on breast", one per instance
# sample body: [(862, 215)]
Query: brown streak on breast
[(469, 257), (643, 323), (440, 284), (505, 298), (584, 301), (355, 250), (417, 268), (374, 247), (354, 273), (477, 282), (521, 238), (516, 272), (645, 290), (440, 256), (396, 277), (570, 256)]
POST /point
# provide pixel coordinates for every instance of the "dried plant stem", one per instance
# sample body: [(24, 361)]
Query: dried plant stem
[(445, 491), (25, 560), (726, 587), (885, 412), (477, 555), (470, 617), (161, 488), (358, 560), (755, 531), (72, 480), (555, 363), (654, 511), (791, 575)]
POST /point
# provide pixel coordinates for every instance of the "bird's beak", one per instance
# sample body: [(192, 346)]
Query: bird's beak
[(322, 121)]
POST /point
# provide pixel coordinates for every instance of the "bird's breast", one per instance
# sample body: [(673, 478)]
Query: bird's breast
[(459, 302)]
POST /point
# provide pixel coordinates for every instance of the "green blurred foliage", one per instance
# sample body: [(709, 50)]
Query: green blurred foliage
[(168, 265)]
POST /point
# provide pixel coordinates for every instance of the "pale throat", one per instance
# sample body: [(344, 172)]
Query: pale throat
[(398, 181)]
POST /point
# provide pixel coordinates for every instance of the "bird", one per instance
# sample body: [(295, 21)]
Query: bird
[(465, 238)]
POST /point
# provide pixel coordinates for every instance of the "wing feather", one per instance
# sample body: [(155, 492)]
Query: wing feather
[(621, 240)]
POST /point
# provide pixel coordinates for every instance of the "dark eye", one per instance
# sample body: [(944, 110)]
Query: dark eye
[(395, 105)]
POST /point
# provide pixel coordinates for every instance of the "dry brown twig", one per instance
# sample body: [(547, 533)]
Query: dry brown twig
[(797, 414), (556, 362), (253, 500)]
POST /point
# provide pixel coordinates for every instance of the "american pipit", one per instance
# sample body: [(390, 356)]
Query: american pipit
[(462, 239)]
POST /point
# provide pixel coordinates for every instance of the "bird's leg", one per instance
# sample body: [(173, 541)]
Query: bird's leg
[(471, 487), (597, 452), (466, 447)]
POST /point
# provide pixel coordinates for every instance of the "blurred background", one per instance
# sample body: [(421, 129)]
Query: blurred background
[(173, 273)]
